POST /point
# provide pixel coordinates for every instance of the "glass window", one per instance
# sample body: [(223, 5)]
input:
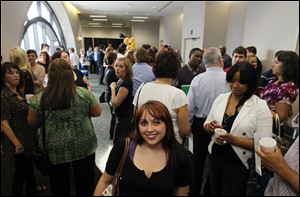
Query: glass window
[(31, 38), (33, 11), (40, 34), (41, 26), (45, 13)]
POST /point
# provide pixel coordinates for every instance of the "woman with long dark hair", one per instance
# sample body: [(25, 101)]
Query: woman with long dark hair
[(156, 165), (70, 137)]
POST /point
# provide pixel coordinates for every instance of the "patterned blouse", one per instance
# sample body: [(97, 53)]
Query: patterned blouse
[(15, 111), (282, 93), (70, 133)]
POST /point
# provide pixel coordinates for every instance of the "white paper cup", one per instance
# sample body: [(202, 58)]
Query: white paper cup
[(267, 144), (219, 131), (28, 97)]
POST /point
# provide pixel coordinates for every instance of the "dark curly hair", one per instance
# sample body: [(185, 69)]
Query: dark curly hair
[(290, 61), (166, 64)]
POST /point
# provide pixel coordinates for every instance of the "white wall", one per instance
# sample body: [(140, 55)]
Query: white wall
[(271, 26), (216, 19), (12, 22), (170, 30), (193, 20), (104, 32), (146, 33), (193, 24), (236, 25)]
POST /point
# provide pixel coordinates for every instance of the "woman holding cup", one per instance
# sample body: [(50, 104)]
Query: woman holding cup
[(234, 118)]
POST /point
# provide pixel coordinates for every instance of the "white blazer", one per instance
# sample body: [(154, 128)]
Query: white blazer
[(254, 116)]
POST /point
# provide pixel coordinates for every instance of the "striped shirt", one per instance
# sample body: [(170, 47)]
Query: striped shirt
[(278, 186)]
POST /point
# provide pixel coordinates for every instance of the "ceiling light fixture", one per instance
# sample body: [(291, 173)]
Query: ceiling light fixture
[(100, 19), (140, 17), (137, 20), (98, 16), (94, 23), (117, 24)]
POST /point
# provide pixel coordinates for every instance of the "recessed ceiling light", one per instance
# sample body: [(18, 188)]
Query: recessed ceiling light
[(98, 16), (137, 20), (94, 23), (140, 17), (97, 26), (117, 24), (100, 19)]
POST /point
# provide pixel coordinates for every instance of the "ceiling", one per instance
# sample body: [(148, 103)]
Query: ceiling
[(123, 11)]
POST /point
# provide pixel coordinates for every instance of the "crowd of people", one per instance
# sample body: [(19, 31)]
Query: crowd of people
[(144, 90)]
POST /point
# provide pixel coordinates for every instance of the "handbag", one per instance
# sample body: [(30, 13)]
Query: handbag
[(113, 188), (285, 135), (102, 97), (40, 156)]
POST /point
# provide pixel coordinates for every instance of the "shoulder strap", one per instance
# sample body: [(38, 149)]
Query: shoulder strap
[(137, 98), (124, 156), (277, 125)]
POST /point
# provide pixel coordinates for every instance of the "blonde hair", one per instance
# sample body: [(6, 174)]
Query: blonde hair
[(128, 65), (19, 57)]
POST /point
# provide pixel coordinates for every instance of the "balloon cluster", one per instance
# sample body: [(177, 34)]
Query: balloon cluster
[(130, 42)]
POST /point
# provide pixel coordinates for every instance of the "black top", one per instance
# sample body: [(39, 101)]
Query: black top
[(79, 81), (14, 110), (133, 181), (126, 107), (110, 76), (26, 81), (226, 151)]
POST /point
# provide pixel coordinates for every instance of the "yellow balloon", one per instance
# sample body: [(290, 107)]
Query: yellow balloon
[(133, 45), (126, 40), (132, 40)]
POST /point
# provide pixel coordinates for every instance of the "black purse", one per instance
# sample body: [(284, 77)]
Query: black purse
[(40, 156)]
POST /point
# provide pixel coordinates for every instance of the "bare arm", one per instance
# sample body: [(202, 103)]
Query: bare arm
[(242, 142), (274, 161), (183, 121), (33, 118), (11, 136), (183, 191), (95, 110), (283, 110), (103, 182), (118, 99)]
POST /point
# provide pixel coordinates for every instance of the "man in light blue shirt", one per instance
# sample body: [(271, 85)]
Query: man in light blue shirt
[(204, 89)]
